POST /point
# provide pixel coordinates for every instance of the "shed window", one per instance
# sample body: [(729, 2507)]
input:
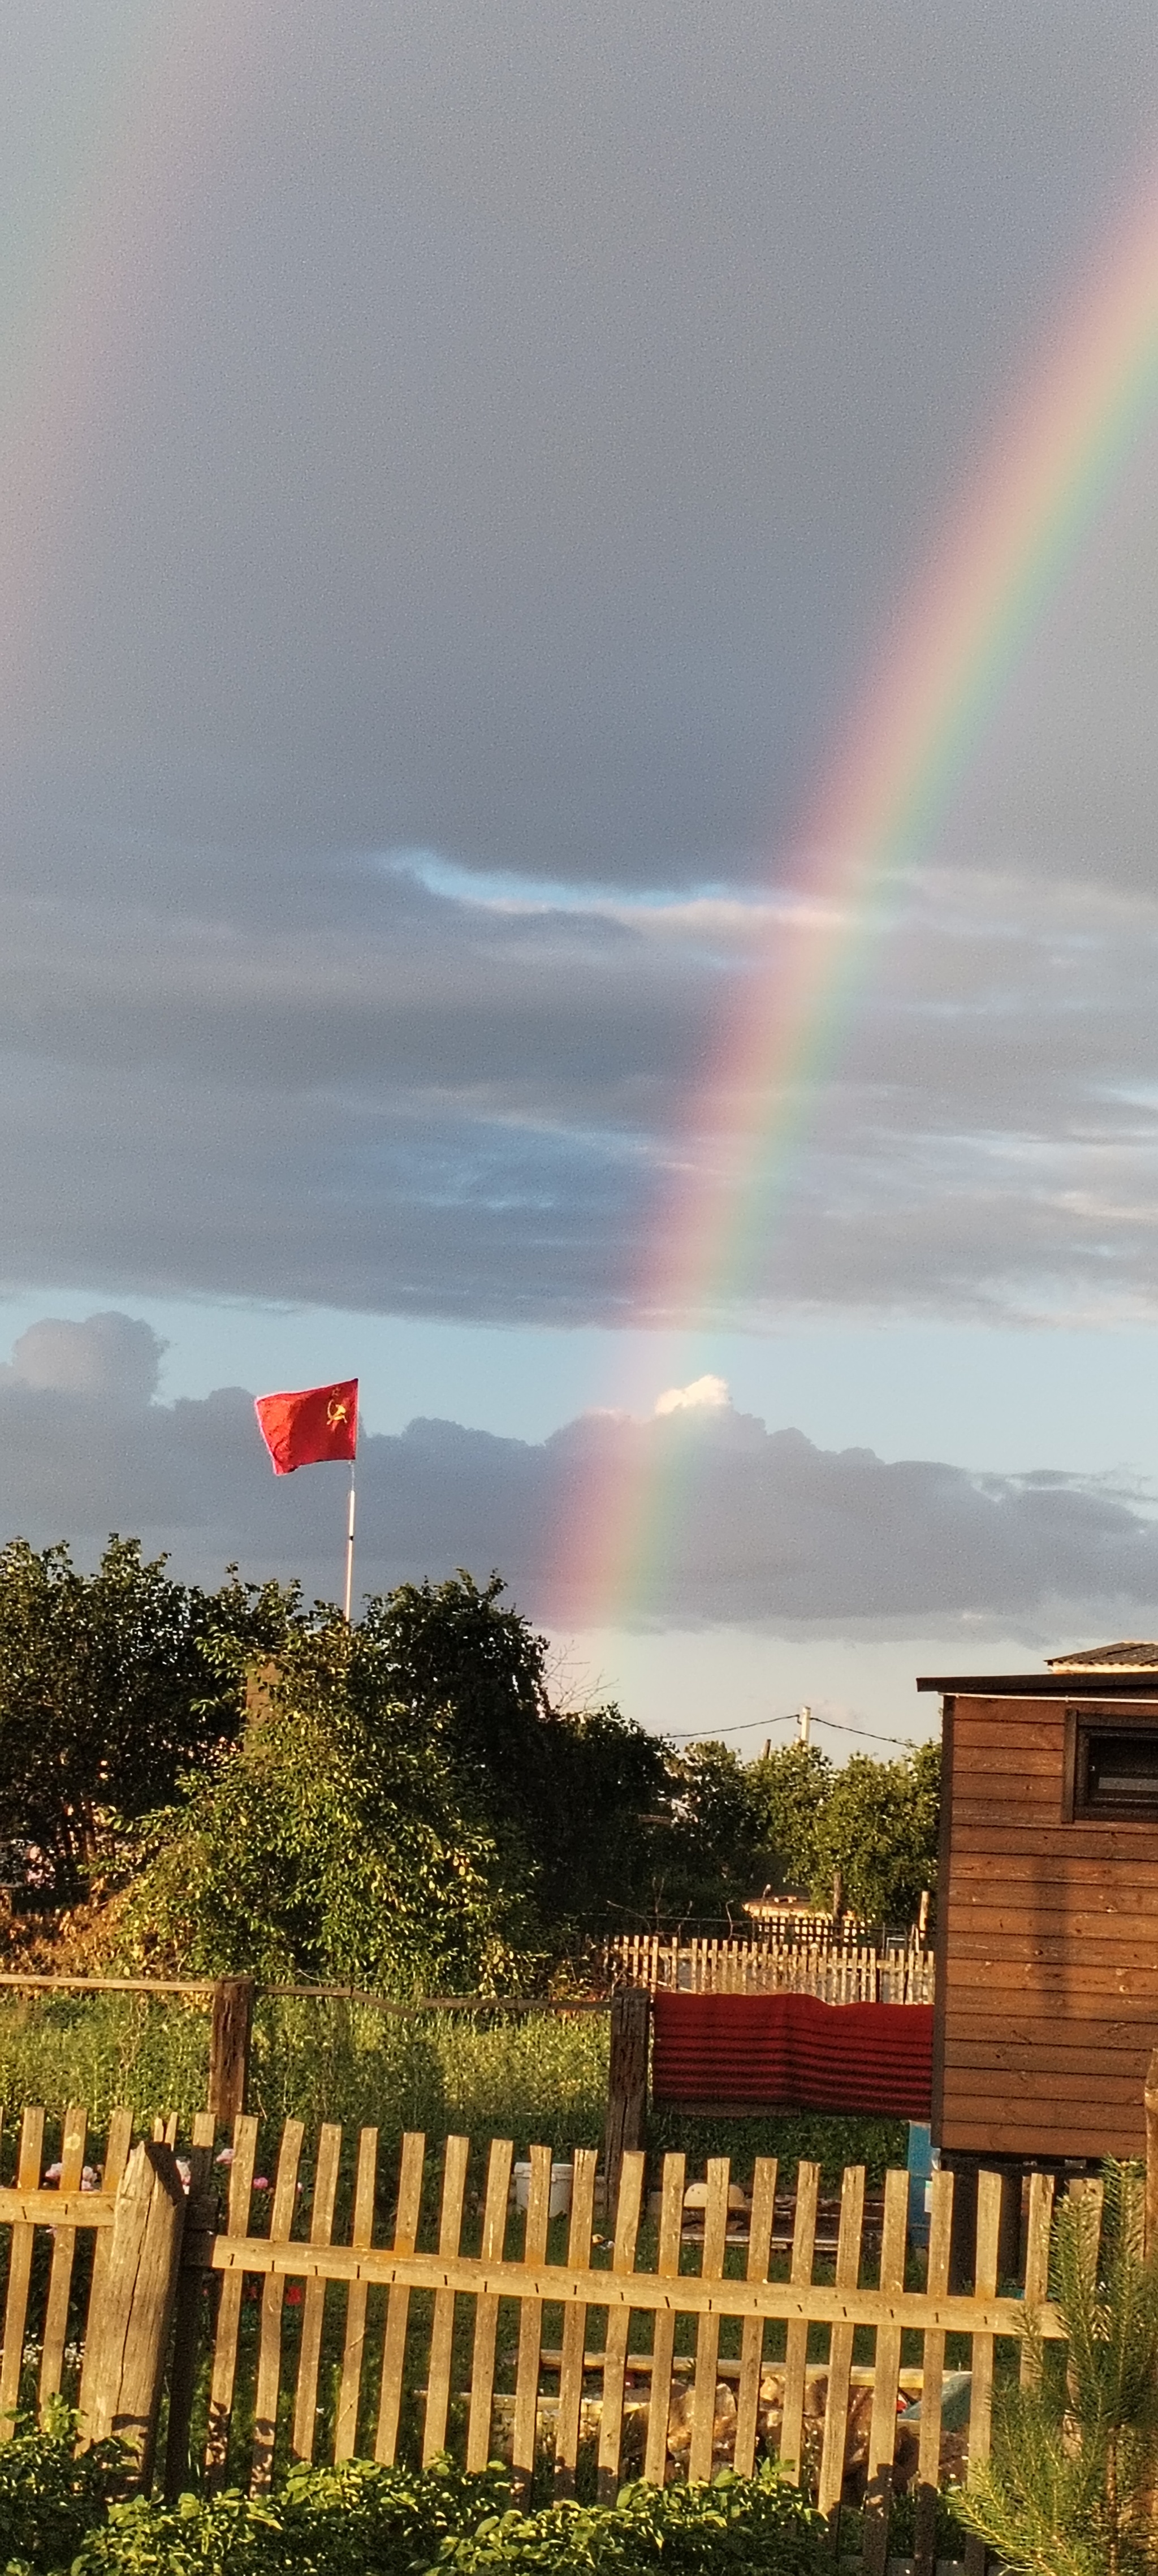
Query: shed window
[(1115, 1769)]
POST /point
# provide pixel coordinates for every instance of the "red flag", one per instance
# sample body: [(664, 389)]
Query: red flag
[(304, 1429)]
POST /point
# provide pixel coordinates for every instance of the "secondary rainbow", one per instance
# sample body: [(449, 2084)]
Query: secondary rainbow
[(119, 156), (1005, 551)]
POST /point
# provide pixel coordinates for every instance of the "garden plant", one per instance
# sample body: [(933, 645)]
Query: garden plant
[(60, 2515), (1070, 2487)]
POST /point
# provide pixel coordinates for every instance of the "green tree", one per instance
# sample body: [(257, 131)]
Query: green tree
[(109, 1688), (595, 1786), (790, 1789), (1069, 2487), (710, 1849), (332, 1842), (453, 1646), (878, 1825), (566, 1796)]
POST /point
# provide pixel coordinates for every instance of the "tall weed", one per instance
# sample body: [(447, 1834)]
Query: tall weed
[(152, 2053), (535, 2077)]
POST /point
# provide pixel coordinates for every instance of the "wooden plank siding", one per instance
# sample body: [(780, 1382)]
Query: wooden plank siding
[(1047, 1959)]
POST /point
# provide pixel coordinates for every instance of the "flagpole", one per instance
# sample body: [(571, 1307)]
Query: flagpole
[(350, 1547)]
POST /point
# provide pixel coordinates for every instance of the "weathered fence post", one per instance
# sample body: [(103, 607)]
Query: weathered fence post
[(626, 2083), (229, 2034), (127, 2341), (1150, 2100)]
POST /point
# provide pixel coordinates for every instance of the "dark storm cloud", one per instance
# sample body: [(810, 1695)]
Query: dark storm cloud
[(520, 419), (771, 1531), (471, 1107), (503, 441)]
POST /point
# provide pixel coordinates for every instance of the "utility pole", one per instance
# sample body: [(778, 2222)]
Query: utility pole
[(804, 1724)]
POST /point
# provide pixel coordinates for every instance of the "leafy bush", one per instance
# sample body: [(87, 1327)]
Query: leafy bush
[(831, 2139), (333, 1842), (50, 2498), (754, 2524), (360, 2520)]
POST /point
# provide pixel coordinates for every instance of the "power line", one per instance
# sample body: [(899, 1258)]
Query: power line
[(752, 1726), (869, 1733), (748, 1726)]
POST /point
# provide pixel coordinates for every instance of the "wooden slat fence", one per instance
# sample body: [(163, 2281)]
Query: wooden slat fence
[(377, 2306), (837, 1971)]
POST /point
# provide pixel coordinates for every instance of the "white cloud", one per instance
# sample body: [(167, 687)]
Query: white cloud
[(704, 1395), (113, 1357)]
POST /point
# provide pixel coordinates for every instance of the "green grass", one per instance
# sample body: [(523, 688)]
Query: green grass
[(536, 2078), (102, 2050), (830, 2139), (540, 2077)]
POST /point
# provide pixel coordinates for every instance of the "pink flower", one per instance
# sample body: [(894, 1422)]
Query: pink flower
[(261, 2182), (52, 2173), (225, 2157), (90, 2179)]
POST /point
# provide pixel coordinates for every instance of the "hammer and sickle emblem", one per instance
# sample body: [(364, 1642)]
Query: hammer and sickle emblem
[(336, 1411)]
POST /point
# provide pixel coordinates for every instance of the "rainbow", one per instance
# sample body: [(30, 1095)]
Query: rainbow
[(1006, 548), (160, 91)]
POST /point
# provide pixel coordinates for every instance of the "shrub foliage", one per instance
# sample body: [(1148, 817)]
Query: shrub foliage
[(361, 2520)]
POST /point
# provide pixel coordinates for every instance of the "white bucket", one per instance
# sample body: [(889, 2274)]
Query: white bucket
[(560, 2200)]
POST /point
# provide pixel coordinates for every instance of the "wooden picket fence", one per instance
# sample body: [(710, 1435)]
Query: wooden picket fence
[(364, 2313), (839, 1971)]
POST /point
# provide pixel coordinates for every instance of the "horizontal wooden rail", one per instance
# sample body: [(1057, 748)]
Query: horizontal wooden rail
[(51, 2208), (208, 1987), (441, 2003), (113, 1985), (686, 2295)]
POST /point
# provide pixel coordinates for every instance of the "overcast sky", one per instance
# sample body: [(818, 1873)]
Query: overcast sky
[(456, 467)]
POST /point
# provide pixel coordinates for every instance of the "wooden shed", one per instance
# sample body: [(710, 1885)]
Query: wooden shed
[(1047, 1940)]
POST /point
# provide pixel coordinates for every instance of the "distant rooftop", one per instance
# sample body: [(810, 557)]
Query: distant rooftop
[(1129, 1655)]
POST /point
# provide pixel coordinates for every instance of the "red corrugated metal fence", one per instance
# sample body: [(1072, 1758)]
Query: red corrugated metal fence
[(794, 2051)]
